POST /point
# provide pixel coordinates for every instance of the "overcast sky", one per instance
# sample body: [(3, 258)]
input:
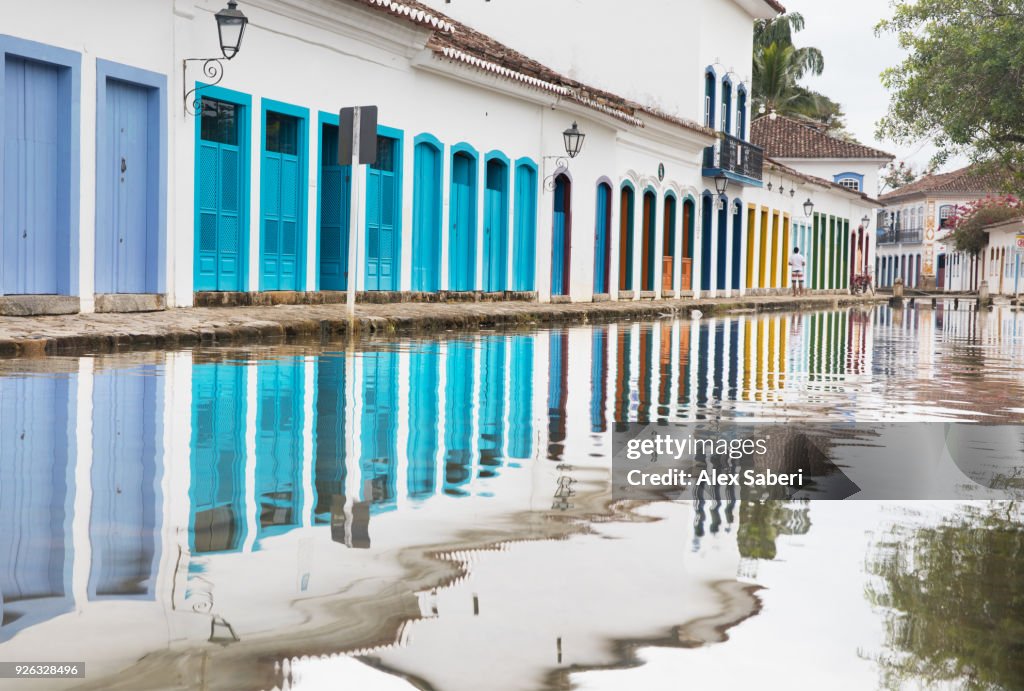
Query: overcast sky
[(854, 58)]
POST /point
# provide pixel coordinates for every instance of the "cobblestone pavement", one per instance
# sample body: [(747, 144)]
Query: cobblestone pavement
[(174, 328)]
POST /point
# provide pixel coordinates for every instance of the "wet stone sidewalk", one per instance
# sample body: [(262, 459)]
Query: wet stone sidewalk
[(186, 327)]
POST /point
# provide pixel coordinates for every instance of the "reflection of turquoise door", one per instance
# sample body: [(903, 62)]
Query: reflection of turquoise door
[(279, 453), (335, 197), (282, 202), (560, 237), (36, 155), (378, 461), (424, 364), (126, 458), (495, 277), (525, 258), (383, 215), (520, 443), (492, 404), (462, 234), (330, 442), (217, 489), (35, 500), (458, 396), (220, 199), (426, 232)]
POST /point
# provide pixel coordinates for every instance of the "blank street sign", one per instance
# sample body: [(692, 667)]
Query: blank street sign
[(367, 135)]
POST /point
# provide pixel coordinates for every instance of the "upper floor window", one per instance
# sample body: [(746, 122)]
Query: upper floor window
[(850, 183), (850, 180), (741, 113), (946, 212), (709, 99), (726, 106)]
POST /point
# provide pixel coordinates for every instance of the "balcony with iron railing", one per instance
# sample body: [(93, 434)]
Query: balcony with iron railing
[(737, 159), (901, 236)]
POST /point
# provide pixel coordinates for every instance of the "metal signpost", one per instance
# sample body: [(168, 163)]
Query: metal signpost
[(357, 146)]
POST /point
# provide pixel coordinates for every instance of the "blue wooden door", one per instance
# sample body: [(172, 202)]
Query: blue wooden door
[(560, 238), (495, 277), (707, 238), (281, 203), (524, 270), (217, 489), (220, 200), (279, 452), (126, 242), (35, 500), (737, 242), (722, 239), (35, 242), (426, 234), (125, 477), (335, 198), (462, 237), (601, 235), (378, 461), (383, 214)]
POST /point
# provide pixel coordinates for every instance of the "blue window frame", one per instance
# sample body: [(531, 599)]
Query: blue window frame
[(524, 256), (384, 211), (727, 105), (709, 98), (741, 112)]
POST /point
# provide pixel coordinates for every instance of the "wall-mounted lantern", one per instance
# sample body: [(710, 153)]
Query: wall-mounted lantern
[(866, 221), (573, 140), (231, 25), (808, 208), (721, 184)]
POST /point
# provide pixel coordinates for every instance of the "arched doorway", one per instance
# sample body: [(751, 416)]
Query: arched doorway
[(686, 263), (723, 243), (648, 255), (602, 237), (626, 237), (495, 267), (462, 228), (561, 236), (668, 245), (737, 243), (706, 240)]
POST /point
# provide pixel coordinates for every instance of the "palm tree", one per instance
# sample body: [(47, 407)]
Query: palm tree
[(780, 31)]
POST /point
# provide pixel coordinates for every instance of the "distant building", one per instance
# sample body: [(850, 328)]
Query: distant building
[(914, 223), (1003, 258)]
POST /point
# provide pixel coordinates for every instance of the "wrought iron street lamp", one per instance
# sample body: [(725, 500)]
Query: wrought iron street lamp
[(866, 221), (231, 25), (721, 184), (573, 140), (808, 208)]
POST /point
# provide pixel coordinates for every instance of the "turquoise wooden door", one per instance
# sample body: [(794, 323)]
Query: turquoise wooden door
[(495, 276), (335, 198), (220, 197), (282, 202), (560, 237), (424, 367), (462, 234), (426, 233), (33, 256), (383, 215), (217, 489), (601, 238), (524, 270)]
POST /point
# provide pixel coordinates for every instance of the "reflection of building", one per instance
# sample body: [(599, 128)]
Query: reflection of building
[(911, 231), (228, 487)]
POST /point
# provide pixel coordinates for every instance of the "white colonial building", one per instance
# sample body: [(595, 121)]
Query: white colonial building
[(131, 184), (913, 225)]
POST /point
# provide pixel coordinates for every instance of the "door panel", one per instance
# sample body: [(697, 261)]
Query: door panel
[(220, 192), (496, 227), (281, 203), (382, 215), (462, 244), (426, 252), (335, 198), (35, 153), (524, 272)]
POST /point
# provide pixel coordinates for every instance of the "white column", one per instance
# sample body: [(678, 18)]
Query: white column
[(308, 451), (638, 243), (81, 559), (697, 266), (446, 169)]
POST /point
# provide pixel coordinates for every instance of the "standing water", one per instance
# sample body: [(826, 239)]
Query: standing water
[(437, 513)]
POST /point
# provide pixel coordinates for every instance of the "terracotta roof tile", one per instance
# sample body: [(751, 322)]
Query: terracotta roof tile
[(966, 180), (784, 137), (456, 41)]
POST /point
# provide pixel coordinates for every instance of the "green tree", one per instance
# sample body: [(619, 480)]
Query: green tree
[(962, 82), (779, 65), (953, 597)]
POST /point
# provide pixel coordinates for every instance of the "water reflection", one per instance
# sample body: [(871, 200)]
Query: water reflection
[(208, 482)]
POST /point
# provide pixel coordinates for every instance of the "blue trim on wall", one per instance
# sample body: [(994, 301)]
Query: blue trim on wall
[(496, 155), (710, 96), (245, 148), (399, 136), (741, 111), (418, 281), (427, 138), (67, 276), (856, 176), (524, 249), (474, 156), (302, 229), (106, 70)]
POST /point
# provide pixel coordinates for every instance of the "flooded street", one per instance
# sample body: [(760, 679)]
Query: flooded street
[(438, 514)]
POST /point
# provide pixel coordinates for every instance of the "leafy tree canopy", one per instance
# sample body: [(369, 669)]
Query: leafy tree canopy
[(962, 83)]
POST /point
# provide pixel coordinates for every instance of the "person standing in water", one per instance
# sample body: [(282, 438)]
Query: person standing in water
[(796, 271)]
